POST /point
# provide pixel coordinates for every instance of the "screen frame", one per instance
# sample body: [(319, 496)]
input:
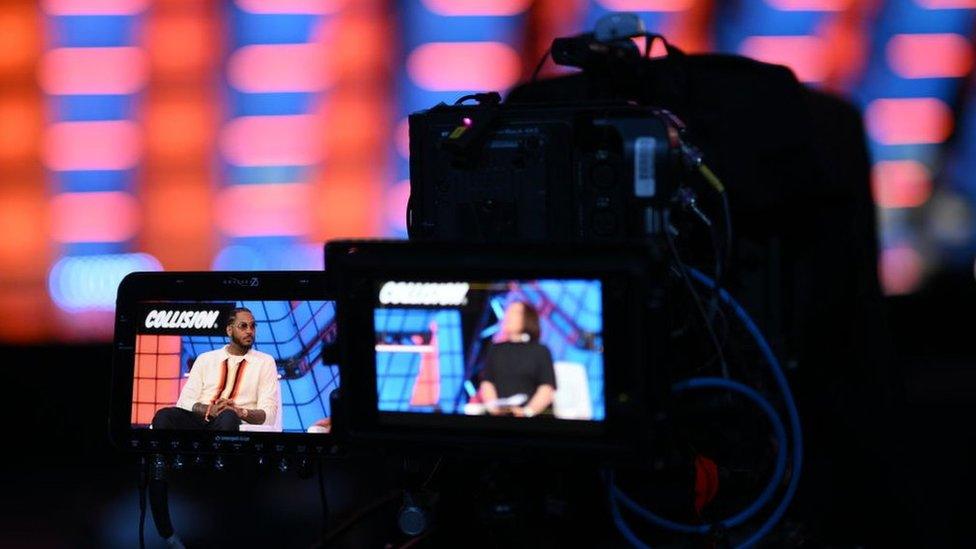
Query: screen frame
[(138, 288), (628, 279)]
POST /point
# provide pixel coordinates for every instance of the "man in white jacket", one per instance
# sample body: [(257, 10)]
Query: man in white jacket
[(227, 386)]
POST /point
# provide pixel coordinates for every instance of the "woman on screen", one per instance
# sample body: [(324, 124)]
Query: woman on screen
[(517, 364)]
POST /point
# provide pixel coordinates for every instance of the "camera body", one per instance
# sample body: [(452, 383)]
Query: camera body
[(576, 172)]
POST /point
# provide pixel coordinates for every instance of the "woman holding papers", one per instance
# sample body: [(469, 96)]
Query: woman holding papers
[(518, 378)]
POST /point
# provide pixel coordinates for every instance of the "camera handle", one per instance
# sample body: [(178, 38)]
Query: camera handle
[(159, 502)]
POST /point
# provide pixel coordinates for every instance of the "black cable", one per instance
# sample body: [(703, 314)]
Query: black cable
[(686, 278), (143, 482), (483, 98), (430, 477), (416, 539), (324, 501), (542, 62), (726, 252), (361, 514)]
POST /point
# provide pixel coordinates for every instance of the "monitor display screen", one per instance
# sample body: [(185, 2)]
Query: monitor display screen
[(514, 348), (228, 365)]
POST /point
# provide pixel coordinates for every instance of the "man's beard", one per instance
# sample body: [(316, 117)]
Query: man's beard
[(240, 343)]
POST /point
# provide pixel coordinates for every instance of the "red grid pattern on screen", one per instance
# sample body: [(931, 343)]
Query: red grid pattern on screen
[(157, 380)]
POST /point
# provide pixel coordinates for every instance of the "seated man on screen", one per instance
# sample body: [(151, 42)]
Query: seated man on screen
[(227, 386), (517, 364)]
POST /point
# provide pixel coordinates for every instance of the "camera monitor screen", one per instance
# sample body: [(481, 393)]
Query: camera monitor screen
[(510, 348), (224, 362), (229, 365)]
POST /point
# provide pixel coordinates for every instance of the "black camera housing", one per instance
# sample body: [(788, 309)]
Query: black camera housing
[(600, 172), (633, 346)]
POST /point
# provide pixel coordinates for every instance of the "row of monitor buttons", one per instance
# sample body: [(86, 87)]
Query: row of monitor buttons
[(197, 446)]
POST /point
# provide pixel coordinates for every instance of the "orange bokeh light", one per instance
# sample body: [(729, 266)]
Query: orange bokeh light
[(347, 203), (357, 45), (179, 128), (24, 313), (178, 220), (22, 249), (181, 43), (20, 127), (177, 209), (19, 38), (354, 126)]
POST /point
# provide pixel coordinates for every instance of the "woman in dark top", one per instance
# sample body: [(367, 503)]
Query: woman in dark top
[(518, 364)]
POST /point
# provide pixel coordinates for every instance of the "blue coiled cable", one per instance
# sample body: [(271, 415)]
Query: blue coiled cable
[(767, 494)]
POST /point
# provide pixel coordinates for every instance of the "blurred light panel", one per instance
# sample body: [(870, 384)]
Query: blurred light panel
[(268, 68), (947, 55), (94, 71), (278, 209), (100, 145), (94, 217), (302, 7), (452, 8), (445, 66), (902, 269), (287, 140), (94, 7), (803, 54), (91, 282), (92, 75), (913, 75), (271, 144), (450, 51), (810, 5), (947, 4), (900, 183), (909, 120), (646, 5)]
